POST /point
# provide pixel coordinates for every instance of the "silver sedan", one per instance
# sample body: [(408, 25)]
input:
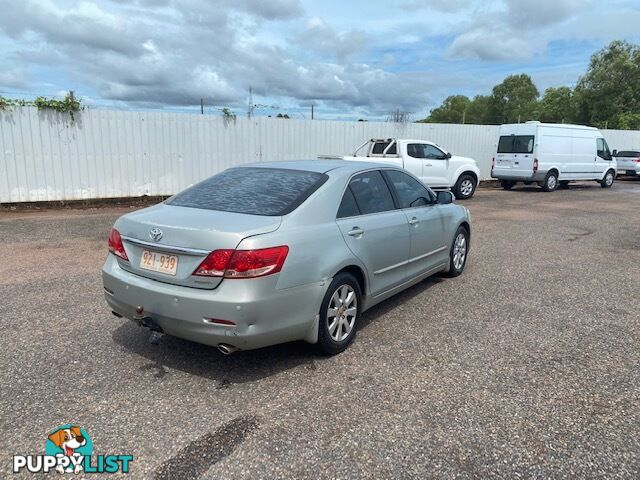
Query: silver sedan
[(274, 252)]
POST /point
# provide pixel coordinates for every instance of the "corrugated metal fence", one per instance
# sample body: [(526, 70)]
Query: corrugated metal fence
[(44, 156)]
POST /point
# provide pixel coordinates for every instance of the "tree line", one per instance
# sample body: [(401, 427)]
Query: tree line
[(606, 96)]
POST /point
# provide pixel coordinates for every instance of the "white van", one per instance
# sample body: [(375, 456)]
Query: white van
[(552, 154)]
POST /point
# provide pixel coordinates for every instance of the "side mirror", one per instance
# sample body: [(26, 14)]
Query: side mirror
[(444, 198), (448, 155), (615, 152)]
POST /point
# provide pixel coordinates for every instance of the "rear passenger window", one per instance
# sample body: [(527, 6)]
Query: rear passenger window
[(371, 193), (348, 207)]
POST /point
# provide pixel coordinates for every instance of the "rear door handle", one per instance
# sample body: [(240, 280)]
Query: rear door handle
[(414, 221), (355, 232)]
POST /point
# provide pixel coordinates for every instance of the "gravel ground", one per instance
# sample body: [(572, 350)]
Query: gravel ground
[(526, 366)]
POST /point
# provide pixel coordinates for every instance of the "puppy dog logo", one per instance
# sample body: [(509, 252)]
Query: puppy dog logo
[(70, 441), (69, 449)]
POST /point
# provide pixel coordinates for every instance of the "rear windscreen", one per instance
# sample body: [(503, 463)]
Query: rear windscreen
[(628, 154), (378, 148), (516, 144), (251, 190)]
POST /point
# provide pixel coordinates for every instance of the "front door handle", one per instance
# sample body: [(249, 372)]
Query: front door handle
[(414, 221), (355, 232), (428, 165)]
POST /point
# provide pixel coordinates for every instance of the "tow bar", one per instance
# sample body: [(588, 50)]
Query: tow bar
[(156, 334)]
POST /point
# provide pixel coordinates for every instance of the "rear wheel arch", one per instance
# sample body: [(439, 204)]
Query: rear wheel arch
[(358, 274)]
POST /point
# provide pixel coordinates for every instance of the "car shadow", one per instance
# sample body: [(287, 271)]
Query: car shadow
[(173, 353)]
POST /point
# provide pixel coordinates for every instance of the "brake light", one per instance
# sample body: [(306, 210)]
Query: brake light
[(115, 244), (638, 160), (243, 263), (215, 264), (535, 165)]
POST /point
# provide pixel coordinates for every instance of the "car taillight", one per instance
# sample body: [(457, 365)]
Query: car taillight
[(115, 244), (215, 264), (243, 263), (493, 163), (535, 165), (638, 160)]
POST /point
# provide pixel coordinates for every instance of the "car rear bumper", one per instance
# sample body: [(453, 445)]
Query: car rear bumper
[(519, 176), (263, 315)]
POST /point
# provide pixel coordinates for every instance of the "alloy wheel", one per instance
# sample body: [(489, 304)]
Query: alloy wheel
[(341, 312), (466, 187), (459, 251)]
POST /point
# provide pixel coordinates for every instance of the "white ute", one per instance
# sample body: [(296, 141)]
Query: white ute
[(432, 164)]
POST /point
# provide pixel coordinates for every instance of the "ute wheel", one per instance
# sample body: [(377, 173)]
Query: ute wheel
[(550, 182), (608, 179), (339, 313), (507, 184), (458, 252), (465, 187), (564, 184)]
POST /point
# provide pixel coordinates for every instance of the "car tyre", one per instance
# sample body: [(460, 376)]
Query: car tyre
[(465, 187), (507, 184), (342, 304), (459, 252), (608, 179), (550, 182)]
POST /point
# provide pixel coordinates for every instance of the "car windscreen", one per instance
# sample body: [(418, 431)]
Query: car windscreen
[(516, 144), (628, 154), (252, 190)]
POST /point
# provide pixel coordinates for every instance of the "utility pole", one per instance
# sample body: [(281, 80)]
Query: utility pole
[(312, 111), (201, 106), (464, 116), (250, 109)]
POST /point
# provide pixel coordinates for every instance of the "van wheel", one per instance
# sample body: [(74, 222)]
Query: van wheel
[(507, 184), (564, 183), (339, 313), (458, 252), (550, 182), (608, 179), (465, 187)]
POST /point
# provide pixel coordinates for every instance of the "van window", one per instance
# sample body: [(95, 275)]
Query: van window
[(603, 149), (516, 144)]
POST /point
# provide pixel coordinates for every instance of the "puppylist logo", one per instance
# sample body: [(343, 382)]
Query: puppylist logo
[(69, 449)]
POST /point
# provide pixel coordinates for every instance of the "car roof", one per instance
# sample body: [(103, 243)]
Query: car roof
[(320, 166)]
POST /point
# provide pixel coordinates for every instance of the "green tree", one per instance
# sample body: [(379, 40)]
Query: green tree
[(514, 100), (452, 110), (628, 121), (478, 110), (611, 87), (557, 106)]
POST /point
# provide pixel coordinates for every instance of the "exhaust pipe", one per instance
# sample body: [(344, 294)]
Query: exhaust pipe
[(226, 349)]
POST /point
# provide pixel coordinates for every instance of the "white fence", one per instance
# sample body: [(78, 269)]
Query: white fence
[(103, 154)]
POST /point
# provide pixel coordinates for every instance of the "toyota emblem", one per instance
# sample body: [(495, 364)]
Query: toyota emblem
[(155, 234)]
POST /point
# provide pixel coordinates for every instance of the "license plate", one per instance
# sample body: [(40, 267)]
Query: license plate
[(504, 163), (159, 262)]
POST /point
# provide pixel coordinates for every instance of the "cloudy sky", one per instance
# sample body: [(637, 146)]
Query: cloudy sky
[(352, 59)]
